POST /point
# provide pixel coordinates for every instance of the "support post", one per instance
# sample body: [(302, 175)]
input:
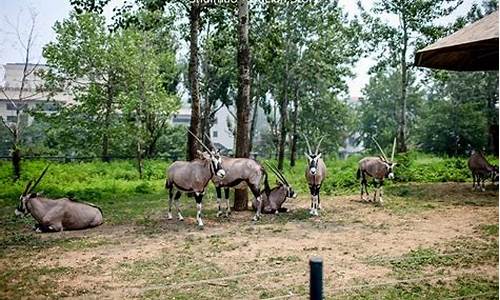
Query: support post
[(316, 278)]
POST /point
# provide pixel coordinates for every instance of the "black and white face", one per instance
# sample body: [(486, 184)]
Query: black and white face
[(390, 170), (217, 164), (21, 209), (312, 160), (290, 193)]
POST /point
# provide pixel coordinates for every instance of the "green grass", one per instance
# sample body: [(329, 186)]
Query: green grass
[(465, 287), (26, 278), (460, 253)]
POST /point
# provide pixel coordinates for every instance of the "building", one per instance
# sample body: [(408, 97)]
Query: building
[(221, 131), (32, 95)]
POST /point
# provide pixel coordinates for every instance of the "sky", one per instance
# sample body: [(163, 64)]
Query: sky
[(16, 14)]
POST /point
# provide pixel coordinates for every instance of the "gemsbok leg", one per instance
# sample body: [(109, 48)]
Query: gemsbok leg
[(218, 190), (228, 206), (176, 198), (319, 201), (381, 192), (314, 189), (256, 194), (170, 199), (199, 199)]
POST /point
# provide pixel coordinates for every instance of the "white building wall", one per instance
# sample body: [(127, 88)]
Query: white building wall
[(32, 94), (220, 132)]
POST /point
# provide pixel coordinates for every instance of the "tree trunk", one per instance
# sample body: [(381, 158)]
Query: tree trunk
[(16, 161), (293, 147), (283, 122), (140, 161), (253, 126), (107, 120), (194, 22), (401, 135), (243, 100)]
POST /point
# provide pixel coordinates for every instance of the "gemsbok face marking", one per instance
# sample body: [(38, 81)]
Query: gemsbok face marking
[(315, 174), (378, 168)]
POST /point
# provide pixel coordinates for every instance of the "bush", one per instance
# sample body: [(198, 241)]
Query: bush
[(98, 181)]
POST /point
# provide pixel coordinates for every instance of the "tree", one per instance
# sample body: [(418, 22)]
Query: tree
[(393, 43), (144, 100), (218, 66), (122, 81), (308, 50), (378, 118), (457, 116), (80, 61), (243, 99), (471, 95), (18, 96)]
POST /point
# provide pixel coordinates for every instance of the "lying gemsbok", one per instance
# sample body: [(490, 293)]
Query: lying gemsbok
[(481, 170), (272, 202), (378, 168), (315, 174), (193, 177), (57, 215)]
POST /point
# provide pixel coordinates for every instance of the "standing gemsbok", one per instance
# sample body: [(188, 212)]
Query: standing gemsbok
[(378, 168), (192, 177), (315, 174), (57, 215), (241, 173)]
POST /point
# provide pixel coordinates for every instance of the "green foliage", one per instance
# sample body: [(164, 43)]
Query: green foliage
[(121, 81), (91, 181), (459, 112), (377, 117)]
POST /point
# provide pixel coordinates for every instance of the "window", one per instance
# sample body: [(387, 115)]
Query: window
[(10, 106), (49, 106), (181, 119), (214, 134), (12, 119)]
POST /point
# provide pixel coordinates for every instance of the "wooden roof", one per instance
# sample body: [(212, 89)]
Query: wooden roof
[(472, 48)]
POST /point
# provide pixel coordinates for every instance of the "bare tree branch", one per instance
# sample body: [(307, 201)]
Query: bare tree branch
[(7, 126)]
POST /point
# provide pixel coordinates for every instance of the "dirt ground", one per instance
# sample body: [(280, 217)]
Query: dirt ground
[(361, 245)]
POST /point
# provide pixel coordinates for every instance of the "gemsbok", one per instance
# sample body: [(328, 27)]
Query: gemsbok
[(481, 170), (59, 214), (272, 203), (377, 168), (315, 174), (240, 174), (192, 177)]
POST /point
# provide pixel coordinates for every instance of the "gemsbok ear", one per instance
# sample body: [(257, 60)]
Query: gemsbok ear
[(319, 155), (307, 155)]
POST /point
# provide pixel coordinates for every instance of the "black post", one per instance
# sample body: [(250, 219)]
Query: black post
[(316, 278)]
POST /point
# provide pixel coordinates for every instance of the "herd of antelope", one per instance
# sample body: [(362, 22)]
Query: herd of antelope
[(225, 172)]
